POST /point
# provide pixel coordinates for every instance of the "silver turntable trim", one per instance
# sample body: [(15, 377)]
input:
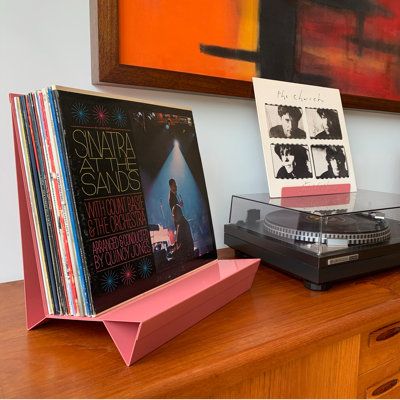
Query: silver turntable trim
[(321, 237)]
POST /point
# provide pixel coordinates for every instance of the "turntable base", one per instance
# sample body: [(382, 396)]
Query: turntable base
[(315, 272), (318, 244)]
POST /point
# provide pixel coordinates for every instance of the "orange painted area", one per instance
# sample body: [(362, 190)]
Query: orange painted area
[(167, 34)]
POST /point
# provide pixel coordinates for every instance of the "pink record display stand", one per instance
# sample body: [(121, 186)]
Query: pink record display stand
[(141, 324)]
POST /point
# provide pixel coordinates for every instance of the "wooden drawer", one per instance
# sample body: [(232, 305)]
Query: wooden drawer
[(381, 383), (379, 347)]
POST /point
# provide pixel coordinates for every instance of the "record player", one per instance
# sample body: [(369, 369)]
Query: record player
[(319, 239)]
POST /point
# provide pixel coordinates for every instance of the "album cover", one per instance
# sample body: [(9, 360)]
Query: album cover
[(304, 139), (138, 191)]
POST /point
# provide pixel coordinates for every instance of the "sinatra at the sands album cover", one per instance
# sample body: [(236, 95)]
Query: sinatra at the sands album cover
[(140, 193), (118, 194)]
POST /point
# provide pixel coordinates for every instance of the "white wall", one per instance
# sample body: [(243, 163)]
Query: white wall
[(46, 41)]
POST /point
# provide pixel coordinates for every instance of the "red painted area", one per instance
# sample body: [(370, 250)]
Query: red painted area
[(385, 28), (327, 49)]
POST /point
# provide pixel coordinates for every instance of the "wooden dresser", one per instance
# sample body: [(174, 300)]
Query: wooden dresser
[(277, 340)]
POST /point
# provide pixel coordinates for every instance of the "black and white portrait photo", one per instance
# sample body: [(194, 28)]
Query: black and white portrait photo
[(329, 162), (285, 122), (304, 139), (323, 123), (291, 161)]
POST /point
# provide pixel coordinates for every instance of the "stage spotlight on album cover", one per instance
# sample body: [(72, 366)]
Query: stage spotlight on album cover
[(291, 161), (174, 190), (285, 122), (330, 162), (323, 123)]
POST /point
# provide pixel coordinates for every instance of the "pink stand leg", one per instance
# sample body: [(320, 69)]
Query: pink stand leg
[(142, 325), (124, 335)]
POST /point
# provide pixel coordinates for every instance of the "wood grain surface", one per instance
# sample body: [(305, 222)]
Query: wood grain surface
[(269, 327)]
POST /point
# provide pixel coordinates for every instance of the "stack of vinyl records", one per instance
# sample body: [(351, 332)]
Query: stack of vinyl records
[(101, 235)]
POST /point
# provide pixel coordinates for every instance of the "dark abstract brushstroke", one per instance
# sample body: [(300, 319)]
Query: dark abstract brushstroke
[(233, 54), (365, 7), (277, 39), (318, 80), (360, 33), (382, 47)]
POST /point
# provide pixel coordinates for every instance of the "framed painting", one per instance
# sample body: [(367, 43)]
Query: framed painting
[(216, 47)]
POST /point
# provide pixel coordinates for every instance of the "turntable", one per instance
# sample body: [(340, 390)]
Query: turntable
[(319, 239)]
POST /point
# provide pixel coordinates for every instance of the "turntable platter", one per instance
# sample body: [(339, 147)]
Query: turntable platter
[(355, 228)]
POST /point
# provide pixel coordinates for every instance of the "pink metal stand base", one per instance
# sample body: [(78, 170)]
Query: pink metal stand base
[(144, 323), (141, 325)]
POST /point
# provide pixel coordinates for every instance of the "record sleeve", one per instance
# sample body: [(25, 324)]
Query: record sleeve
[(304, 139), (50, 286)]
